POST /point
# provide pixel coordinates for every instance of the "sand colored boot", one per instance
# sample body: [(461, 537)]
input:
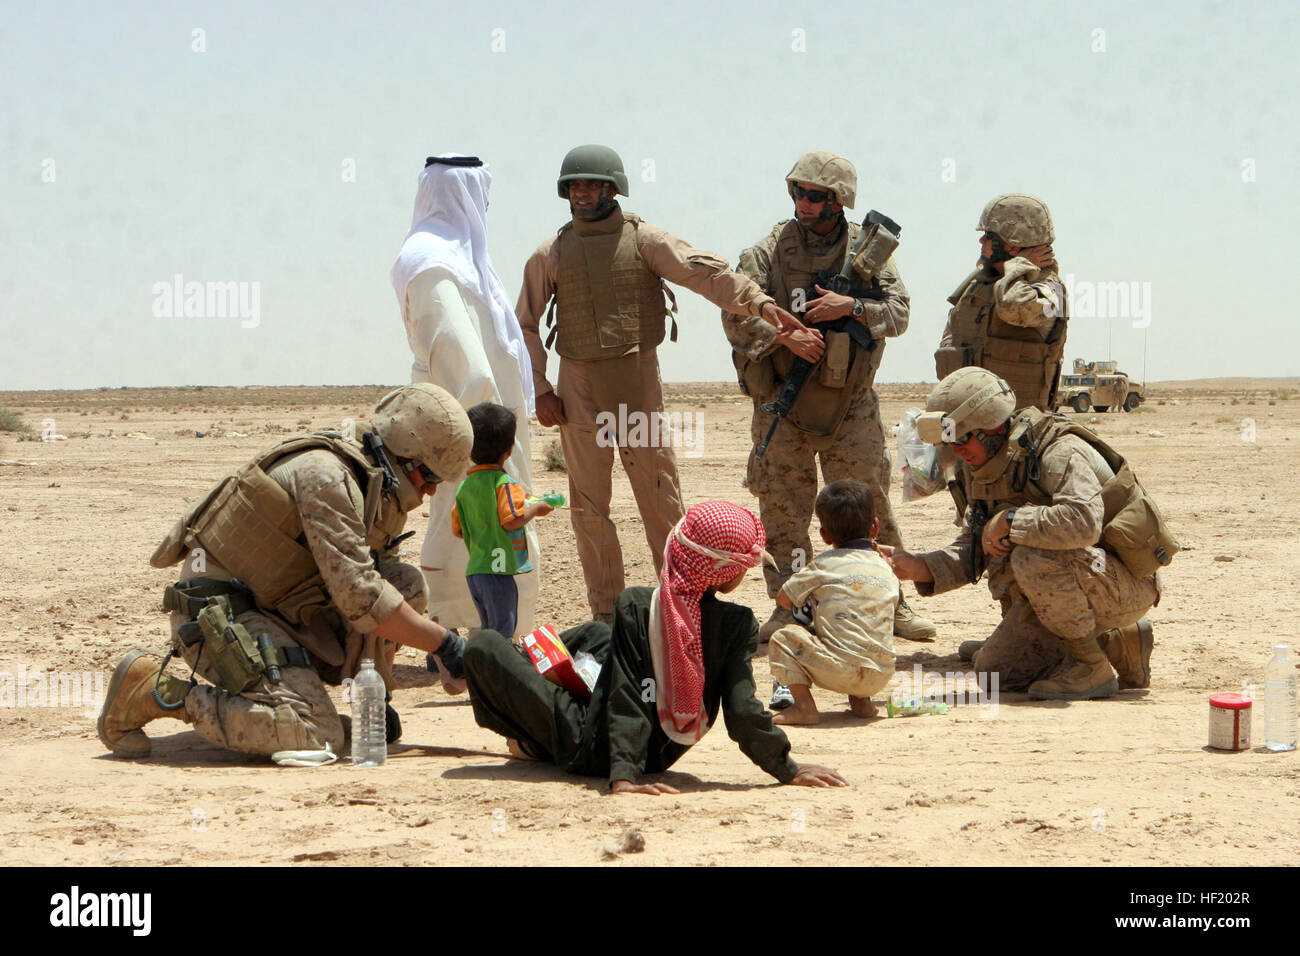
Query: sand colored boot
[(1129, 652), (129, 704), (1090, 675), (781, 617), (910, 626)]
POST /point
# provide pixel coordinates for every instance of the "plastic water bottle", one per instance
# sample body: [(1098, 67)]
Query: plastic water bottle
[(369, 734), (1281, 715)]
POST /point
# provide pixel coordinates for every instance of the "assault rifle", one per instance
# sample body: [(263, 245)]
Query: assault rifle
[(876, 243), (977, 519)]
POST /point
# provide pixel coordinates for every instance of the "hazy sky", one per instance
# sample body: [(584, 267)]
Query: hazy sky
[(284, 154)]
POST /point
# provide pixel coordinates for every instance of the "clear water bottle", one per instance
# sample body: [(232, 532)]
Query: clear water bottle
[(1281, 713), (369, 743)]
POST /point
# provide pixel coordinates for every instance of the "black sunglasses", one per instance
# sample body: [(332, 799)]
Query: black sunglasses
[(425, 471), (812, 195)]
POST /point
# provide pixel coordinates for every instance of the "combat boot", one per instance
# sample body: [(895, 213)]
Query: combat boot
[(968, 649), (1088, 677), (130, 704), (910, 626), (781, 617), (1129, 652)]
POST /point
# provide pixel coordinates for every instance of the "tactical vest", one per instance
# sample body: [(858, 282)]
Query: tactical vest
[(607, 303), (1030, 364), (250, 526), (1133, 528), (846, 367)]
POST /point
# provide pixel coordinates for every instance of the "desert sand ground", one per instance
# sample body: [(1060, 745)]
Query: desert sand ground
[(1121, 781)]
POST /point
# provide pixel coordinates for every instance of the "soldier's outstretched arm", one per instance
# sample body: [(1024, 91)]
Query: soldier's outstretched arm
[(705, 273), (408, 626)]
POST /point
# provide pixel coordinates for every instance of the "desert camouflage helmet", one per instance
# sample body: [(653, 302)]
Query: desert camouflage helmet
[(591, 162), (1018, 219), (828, 170), (423, 423), (970, 399)]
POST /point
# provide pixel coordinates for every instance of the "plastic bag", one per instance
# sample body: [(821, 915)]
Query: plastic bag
[(922, 470)]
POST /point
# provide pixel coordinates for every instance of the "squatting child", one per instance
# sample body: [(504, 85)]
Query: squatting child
[(850, 593), (490, 513)]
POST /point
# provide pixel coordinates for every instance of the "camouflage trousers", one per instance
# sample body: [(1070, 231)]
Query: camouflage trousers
[(1052, 597), (297, 713), (785, 480)]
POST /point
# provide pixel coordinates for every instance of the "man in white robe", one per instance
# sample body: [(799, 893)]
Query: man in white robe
[(465, 339)]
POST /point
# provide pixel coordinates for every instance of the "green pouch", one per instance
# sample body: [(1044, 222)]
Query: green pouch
[(1136, 532), (231, 650)]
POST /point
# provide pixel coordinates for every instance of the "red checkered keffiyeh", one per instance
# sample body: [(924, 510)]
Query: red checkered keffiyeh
[(714, 542)]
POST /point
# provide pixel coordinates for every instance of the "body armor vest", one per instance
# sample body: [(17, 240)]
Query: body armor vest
[(1030, 364), (607, 302), (1132, 527), (250, 526), (846, 367)]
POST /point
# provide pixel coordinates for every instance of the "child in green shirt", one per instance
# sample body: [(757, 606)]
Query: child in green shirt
[(490, 513)]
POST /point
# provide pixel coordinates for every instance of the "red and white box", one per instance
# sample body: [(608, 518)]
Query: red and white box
[(553, 661)]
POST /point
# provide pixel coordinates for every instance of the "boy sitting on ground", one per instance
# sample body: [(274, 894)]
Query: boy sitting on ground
[(850, 594)]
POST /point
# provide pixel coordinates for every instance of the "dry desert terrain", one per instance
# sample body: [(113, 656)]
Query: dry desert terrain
[(1121, 781)]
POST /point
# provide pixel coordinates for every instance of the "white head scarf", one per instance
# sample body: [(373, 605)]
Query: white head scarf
[(449, 231)]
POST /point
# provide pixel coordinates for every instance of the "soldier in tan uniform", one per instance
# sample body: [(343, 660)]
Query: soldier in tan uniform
[(604, 273), (290, 579), (1009, 315), (836, 419), (1071, 542)]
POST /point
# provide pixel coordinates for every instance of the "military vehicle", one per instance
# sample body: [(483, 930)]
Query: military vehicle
[(1099, 386)]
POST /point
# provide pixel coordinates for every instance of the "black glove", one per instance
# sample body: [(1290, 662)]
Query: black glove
[(452, 654)]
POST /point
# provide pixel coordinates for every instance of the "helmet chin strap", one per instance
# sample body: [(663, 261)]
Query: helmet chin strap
[(601, 209), (1000, 253), (992, 443)]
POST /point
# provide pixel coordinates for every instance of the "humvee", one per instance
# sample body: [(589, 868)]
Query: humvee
[(1099, 386)]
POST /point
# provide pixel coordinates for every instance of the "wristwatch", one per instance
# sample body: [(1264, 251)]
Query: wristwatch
[(858, 308), (1011, 516)]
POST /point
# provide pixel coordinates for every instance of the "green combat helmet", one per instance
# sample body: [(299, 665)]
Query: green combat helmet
[(423, 423), (970, 399), (591, 162), (828, 170), (1018, 219)]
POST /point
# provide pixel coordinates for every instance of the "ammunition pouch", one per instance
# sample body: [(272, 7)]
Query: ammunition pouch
[(757, 377), (834, 371), (1028, 367), (1136, 532), (949, 358), (231, 650), (239, 659)]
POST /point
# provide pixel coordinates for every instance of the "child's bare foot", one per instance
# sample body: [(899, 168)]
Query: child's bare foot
[(517, 751), (862, 706), (802, 711)]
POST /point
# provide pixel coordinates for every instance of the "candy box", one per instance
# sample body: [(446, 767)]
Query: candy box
[(553, 661)]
